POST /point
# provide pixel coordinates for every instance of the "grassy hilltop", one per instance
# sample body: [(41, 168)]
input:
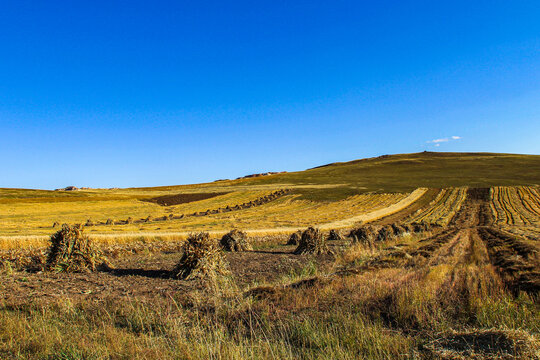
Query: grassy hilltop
[(404, 172)]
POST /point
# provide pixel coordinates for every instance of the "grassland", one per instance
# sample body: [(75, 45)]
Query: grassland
[(465, 288)]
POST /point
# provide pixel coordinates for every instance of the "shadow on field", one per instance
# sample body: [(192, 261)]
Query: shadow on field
[(156, 274), (271, 252)]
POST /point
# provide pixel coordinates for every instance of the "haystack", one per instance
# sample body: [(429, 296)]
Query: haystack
[(89, 223), (365, 234), (295, 237), (312, 242), (202, 258), (419, 227), (398, 229), (385, 233), (235, 240), (72, 251), (407, 228), (129, 220), (335, 235)]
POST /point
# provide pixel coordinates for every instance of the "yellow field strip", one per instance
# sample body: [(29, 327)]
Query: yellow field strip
[(377, 214), (20, 241)]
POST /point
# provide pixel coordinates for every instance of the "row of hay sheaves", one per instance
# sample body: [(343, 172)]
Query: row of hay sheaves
[(202, 257), (246, 205)]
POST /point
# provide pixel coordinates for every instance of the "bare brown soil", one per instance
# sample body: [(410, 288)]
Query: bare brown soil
[(474, 211), (147, 276)]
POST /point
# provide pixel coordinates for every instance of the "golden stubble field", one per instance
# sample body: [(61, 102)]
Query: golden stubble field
[(450, 273)]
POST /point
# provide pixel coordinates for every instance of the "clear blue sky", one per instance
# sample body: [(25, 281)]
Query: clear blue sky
[(132, 93)]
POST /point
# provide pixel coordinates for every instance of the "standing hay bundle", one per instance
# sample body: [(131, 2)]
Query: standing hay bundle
[(148, 218), (420, 227), (235, 240), (109, 222), (171, 216), (398, 229), (407, 228), (202, 258), (72, 251), (89, 223), (385, 233), (129, 220), (365, 234), (312, 242), (295, 237), (335, 235), (55, 224)]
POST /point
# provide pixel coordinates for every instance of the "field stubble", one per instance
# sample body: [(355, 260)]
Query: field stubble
[(465, 290)]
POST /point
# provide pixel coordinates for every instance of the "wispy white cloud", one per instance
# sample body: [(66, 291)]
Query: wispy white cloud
[(438, 142), (435, 141)]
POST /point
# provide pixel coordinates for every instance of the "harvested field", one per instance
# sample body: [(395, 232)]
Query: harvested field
[(408, 211), (446, 291), (516, 260), (168, 200), (147, 274), (518, 205), (441, 210), (446, 272)]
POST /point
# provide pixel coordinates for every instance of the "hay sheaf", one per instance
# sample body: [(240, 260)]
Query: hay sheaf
[(364, 234), (312, 242), (235, 240), (202, 258), (72, 251), (335, 235), (294, 239), (385, 233)]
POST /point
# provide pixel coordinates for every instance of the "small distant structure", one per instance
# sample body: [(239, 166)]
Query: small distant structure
[(68, 188), (261, 174)]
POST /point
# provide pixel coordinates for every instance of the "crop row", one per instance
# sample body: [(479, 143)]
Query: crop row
[(246, 205), (516, 205), (441, 210)]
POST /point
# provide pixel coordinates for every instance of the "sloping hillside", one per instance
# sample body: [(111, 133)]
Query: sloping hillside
[(404, 172)]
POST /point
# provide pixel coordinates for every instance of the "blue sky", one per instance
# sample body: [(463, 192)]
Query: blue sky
[(132, 93)]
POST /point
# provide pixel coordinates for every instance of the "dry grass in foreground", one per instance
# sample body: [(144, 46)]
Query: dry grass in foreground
[(446, 301)]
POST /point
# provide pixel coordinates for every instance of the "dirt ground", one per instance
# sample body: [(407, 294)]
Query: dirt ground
[(147, 276)]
